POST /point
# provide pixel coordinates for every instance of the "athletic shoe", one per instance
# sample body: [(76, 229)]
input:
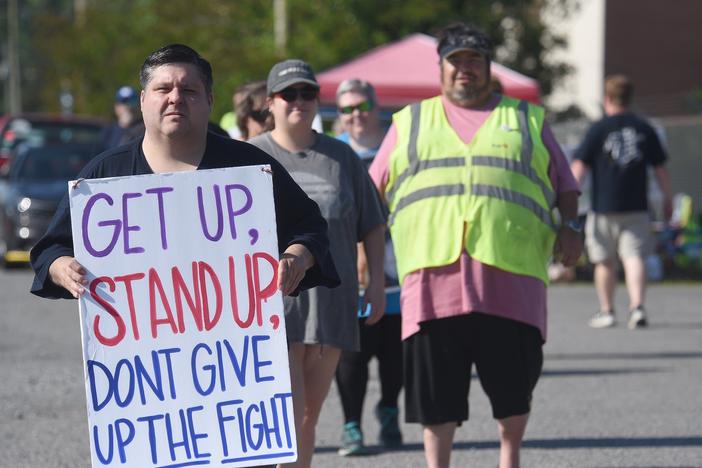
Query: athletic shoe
[(602, 320), (637, 319), (351, 440), (390, 436)]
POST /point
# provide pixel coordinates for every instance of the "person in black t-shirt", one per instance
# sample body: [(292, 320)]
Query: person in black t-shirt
[(176, 102), (618, 150)]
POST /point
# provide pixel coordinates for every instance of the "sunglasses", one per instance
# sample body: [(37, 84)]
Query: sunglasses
[(365, 106), (291, 94)]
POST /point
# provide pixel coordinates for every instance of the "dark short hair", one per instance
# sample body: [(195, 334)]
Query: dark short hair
[(252, 104), (176, 53), (619, 90), (460, 36)]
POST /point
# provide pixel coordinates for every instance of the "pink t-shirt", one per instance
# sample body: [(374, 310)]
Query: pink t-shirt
[(468, 285)]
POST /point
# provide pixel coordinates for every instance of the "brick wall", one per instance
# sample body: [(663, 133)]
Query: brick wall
[(659, 45)]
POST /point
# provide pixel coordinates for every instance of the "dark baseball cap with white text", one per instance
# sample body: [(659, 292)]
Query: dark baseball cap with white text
[(288, 73)]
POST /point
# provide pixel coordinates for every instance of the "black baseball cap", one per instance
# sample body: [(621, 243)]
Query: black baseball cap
[(288, 73), (460, 37)]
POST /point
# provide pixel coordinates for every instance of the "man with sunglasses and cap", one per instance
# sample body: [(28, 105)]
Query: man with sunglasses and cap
[(471, 178), (357, 105)]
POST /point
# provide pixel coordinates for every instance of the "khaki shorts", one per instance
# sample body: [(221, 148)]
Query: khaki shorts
[(628, 234)]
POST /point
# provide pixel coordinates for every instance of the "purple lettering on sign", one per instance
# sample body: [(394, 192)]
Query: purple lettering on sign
[(203, 220), (230, 204), (159, 191), (115, 223), (125, 225)]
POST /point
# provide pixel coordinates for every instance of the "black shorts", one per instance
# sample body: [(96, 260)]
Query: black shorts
[(438, 360)]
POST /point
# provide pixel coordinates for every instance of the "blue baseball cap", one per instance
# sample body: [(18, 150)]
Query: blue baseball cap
[(127, 95)]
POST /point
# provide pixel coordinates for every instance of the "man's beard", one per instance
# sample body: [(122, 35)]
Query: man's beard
[(471, 92)]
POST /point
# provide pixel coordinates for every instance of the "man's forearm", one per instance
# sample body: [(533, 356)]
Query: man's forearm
[(567, 204), (374, 245), (579, 170), (663, 179)]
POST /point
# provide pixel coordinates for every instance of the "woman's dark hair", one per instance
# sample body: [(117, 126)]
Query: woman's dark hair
[(252, 105)]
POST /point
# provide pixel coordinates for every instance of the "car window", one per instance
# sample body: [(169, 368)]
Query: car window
[(50, 164), (47, 133)]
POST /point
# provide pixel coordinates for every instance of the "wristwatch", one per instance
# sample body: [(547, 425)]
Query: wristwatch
[(574, 225)]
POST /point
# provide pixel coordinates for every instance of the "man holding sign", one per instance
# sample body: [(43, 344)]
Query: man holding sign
[(176, 101)]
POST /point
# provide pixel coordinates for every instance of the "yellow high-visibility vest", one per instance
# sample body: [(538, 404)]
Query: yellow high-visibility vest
[(492, 197)]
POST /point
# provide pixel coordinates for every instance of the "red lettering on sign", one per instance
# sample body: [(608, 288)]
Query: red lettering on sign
[(181, 289), (154, 286), (210, 322), (127, 280), (121, 327)]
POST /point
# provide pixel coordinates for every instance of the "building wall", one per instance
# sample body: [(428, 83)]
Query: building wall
[(683, 137), (585, 33), (657, 43)]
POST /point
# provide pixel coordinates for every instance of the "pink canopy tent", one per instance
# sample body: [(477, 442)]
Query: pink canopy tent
[(408, 70)]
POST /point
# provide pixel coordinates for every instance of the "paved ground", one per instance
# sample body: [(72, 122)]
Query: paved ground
[(611, 398)]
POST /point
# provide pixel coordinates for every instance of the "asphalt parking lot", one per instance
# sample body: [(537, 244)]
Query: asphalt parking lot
[(607, 398)]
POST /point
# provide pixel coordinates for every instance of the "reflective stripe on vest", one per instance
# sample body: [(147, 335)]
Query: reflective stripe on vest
[(421, 194), (416, 165), (491, 197), (522, 167), (516, 198)]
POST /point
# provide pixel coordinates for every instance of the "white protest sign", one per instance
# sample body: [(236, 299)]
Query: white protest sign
[(183, 326)]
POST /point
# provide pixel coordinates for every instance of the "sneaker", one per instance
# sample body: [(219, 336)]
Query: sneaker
[(637, 319), (351, 440), (602, 320), (390, 436)]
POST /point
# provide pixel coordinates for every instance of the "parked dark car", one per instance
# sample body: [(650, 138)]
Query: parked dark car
[(44, 129), (30, 192)]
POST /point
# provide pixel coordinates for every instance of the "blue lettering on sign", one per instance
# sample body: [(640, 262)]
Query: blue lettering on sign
[(126, 375), (181, 434), (262, 425), (174, 437), (216, 368), (266, 423), (151, 420), (266, 456), (120, 438), (258, 363), (222, 419)]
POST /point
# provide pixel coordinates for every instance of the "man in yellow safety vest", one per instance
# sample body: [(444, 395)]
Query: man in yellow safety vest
[(471, 179)]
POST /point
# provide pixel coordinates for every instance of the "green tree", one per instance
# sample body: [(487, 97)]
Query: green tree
[(106, 51), (92, 58)]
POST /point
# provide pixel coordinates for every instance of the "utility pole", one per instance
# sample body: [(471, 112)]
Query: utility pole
[(280, 27), (14, 90), (79, 7)]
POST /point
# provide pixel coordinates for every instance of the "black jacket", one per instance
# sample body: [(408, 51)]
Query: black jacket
[(299, 220)]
